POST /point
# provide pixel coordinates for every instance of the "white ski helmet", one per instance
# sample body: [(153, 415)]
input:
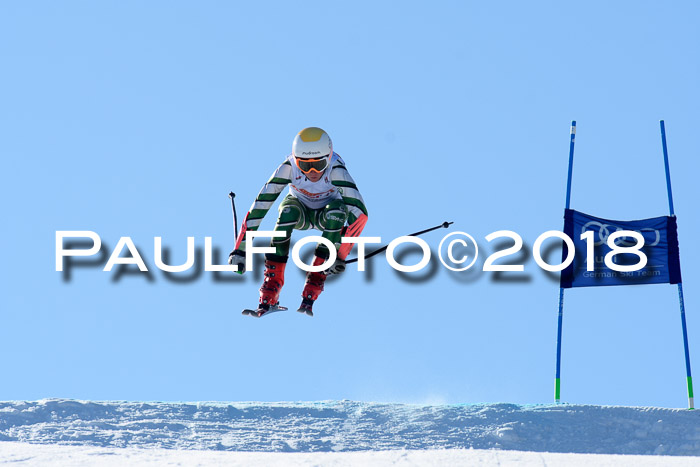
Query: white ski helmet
[(312, 143), (312, 148)]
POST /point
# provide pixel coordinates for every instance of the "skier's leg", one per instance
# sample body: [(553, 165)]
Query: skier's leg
[(330, 220), (292, 214), (274, 280)]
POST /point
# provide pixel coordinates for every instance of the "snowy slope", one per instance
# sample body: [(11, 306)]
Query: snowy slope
[(15, 454), (352, 426)]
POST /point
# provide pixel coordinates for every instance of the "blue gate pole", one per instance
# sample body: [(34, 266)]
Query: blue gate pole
[(689, 377), (557, 380)]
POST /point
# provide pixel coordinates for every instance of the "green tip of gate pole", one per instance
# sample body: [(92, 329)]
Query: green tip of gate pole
[(557, 390), (690, 386)]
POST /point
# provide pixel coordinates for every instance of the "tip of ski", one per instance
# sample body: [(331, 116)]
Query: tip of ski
[(260, 312), (306, 311)]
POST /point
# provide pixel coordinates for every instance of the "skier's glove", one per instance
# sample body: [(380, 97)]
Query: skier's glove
[(337, 268), (237, 257)]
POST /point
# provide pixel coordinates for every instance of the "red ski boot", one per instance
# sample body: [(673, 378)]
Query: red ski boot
[(272, 285), (312, 289)]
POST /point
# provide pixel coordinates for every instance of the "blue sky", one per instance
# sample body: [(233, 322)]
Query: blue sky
[(136, 120)]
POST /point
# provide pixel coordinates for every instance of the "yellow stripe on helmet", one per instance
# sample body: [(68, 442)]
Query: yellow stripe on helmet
[(311, 134)]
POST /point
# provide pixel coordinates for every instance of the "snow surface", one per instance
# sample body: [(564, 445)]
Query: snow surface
[(317, 431), (78, 456)]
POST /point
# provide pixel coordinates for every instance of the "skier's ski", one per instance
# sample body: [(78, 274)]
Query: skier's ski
[(260, 312), (306, 307)]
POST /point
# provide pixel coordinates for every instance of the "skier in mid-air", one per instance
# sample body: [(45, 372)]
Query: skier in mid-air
[(322, 195)]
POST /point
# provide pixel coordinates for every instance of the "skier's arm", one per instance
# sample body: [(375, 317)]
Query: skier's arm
[(264, 201), (357, 212)]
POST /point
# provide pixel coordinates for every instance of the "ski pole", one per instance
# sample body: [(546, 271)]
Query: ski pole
[(235, 220), (414, 234)]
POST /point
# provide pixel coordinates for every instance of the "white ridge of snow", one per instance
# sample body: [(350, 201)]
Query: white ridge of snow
[(345, 426), (19, 454)]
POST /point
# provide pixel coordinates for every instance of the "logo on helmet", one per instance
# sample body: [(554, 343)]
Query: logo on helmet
[(310, 153)]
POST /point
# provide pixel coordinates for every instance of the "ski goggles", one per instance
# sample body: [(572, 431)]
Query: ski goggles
[(312, 165)]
